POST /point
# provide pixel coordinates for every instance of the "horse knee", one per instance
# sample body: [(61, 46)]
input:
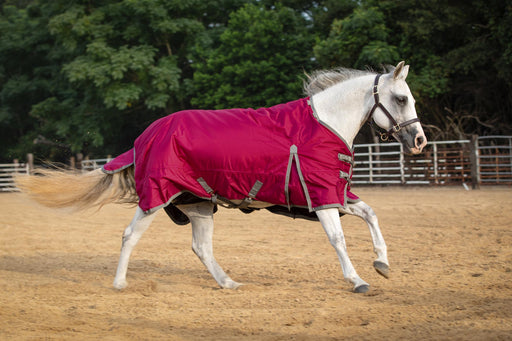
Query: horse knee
[(368, 212), (201, 252), (337, 241), (197, 250)]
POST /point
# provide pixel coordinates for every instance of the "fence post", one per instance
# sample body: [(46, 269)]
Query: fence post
[(30, 163), (79, 158), (475, 164), (370, 164), (436, 167), (402, 165), (510, 151)]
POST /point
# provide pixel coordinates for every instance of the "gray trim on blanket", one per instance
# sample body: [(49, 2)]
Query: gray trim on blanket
[(119, 169), (319, 208)]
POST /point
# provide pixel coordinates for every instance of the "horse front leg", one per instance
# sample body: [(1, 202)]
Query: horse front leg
[(364, 211), (330, 220), (131, 236), (201, 218)]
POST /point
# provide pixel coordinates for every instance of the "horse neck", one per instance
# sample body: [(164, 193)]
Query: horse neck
[(343, 107)]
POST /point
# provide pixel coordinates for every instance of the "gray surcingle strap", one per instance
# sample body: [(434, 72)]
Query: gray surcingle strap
[(294, 156)]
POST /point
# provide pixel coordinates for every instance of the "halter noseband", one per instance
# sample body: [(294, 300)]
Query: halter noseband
[(396, 126)]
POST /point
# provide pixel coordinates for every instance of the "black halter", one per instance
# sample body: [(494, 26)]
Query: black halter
[(396, 126)]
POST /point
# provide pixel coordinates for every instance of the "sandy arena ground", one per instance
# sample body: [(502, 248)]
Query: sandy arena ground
[(450, 252)]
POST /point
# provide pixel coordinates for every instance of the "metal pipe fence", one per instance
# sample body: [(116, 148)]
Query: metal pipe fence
[(441, 163), (7, 170), (484, 160), (481, 160), (495, 159)]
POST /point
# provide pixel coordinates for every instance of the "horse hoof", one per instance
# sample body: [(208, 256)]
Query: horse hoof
[(362, 289), (381, 268), (231, 285), (120, 285)]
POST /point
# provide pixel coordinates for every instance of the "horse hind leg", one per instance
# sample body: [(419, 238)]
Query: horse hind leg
[(201, 218), (131, 236)]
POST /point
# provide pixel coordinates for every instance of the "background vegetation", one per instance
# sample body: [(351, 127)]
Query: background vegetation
[(89, 75)]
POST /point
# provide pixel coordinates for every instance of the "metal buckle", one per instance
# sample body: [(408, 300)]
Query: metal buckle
[(375, 90), (384, 137), (397, 128)]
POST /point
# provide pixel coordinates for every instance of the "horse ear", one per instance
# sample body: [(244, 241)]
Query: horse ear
[(401, 71)]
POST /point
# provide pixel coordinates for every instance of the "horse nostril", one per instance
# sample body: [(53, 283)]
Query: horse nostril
[(419, 141)]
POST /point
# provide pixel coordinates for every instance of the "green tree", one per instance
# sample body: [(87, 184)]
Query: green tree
[(359, 40), (126, 65), (29, 73), (87, 76), (459, 52), (259, 60), (461, 57)]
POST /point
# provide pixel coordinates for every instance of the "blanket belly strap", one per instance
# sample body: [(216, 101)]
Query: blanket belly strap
[(224, 202)]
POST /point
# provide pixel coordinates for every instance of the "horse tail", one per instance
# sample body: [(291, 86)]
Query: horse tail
[(64, 188)]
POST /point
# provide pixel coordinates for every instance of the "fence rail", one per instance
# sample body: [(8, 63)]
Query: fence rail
[(485, 160), (7, 170), (495, 154), (481, 160), (88, 165), (441, 163)]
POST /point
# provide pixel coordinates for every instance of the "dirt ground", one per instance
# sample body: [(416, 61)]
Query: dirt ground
[(450, 252)]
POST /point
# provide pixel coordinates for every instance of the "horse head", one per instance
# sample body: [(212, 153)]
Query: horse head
[(394, 111)]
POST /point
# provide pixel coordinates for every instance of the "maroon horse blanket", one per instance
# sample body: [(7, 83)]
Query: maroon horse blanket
[(282, 155)]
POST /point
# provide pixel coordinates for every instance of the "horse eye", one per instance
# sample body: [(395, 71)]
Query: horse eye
[(401, 100)]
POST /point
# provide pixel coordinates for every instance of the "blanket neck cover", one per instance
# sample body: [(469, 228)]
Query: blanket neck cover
[(282, 155)]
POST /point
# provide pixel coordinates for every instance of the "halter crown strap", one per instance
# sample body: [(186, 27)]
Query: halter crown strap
[(396, 127)]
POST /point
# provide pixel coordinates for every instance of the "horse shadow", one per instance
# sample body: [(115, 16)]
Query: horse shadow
[(82, 267)]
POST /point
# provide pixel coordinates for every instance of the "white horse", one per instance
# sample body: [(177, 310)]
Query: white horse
[(343, 100)]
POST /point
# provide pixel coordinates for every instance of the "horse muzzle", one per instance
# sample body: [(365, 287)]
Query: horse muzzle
[(412, 139)]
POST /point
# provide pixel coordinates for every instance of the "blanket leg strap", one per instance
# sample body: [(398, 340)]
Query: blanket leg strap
[(252, 195), (224, 202)]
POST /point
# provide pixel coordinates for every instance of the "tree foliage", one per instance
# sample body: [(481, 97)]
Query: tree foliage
[(255, 64), (89, 76), (359, 40)]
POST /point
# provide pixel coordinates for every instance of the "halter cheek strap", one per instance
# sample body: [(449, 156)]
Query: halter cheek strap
[(396, 127)]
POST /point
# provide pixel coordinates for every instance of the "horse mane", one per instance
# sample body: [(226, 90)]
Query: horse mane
[(323, 79)]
